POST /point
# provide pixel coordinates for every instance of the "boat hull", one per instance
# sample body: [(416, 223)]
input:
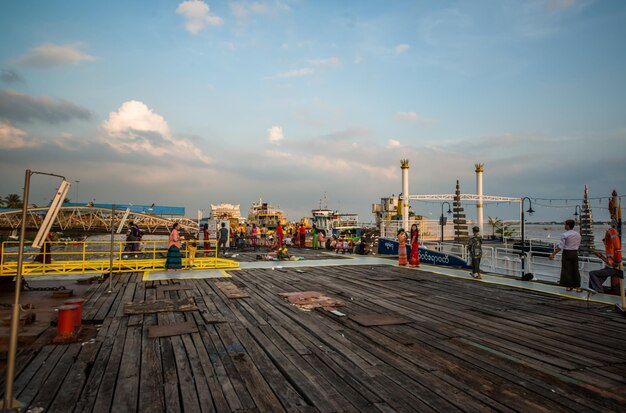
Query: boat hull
[(427, 256)]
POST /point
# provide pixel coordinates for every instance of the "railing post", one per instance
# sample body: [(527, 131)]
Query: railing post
[(84, 253)]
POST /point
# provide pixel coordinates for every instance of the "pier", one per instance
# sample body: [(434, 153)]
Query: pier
[(400, 339)]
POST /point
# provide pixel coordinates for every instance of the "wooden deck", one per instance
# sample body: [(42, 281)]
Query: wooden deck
[(469, 346)]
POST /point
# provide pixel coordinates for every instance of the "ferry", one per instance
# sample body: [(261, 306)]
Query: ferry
[(336, 224), (265, 215)]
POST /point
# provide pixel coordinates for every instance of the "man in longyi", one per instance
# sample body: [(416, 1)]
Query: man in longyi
[(570, 241)]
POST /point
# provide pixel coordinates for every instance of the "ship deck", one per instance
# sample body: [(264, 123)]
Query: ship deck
[(462, 346)]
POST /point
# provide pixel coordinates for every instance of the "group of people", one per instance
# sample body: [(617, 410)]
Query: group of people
[(569, 244), (413, 238)]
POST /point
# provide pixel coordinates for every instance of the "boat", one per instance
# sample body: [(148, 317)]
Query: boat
[(265, 215), (336, 224)]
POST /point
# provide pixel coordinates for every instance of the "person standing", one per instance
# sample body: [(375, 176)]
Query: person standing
[(174, 260), (295, 236), (570, 241), (223, 238), (279, 235), (302, 236), (253, 237), (314, 240), (415, 246), (475, 250), (612, 259), (206, 244), (401, 247)]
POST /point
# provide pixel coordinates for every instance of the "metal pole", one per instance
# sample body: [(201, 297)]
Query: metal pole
[(441, 223), (8, 388), (111, 253)]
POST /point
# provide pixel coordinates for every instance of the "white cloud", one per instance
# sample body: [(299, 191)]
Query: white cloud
[(401, 48), (331, 61), (317, 65), (305, 71), (242, 10), (413, 117), (136, 128), (52, 55), (393, 143), (197, 15), (12, 137), (275, 135)]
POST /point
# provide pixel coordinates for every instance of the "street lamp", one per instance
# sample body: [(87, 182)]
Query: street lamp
[(577, 214), (9, 402), (530, 212), (77, 182), (443, 219)]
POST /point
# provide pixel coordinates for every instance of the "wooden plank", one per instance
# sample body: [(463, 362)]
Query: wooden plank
[(163, 288), (76, 378), (172, 329), (53, 382), (151, 380), (230, 290), (219, 401), (186, 304), (127, 383), (171, 393), (105, 391), (260, 391), (372, 319)]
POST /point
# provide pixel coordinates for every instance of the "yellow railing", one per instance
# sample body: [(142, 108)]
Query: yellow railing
[(93, 257)]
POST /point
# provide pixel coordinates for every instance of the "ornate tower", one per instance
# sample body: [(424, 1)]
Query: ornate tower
[(460, 224), (586, 227)]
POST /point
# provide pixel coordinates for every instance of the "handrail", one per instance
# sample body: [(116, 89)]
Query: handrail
[(88, 257)]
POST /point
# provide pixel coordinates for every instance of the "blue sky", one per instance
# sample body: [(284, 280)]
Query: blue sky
[(192, 103)]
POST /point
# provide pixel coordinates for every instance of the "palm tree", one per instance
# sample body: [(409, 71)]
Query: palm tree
[(13, 201), (494, 222), (505, 231)]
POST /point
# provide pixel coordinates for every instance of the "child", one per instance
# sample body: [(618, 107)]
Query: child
[(192, 248), (475, 250), (282, 253)]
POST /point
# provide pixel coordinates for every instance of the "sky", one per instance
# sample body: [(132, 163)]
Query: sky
[(198, 102)]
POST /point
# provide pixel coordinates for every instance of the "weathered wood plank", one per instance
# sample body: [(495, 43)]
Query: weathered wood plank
[(186, 304)]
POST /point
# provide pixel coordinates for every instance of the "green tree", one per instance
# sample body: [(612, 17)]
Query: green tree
[(13, 201), (505, 230)]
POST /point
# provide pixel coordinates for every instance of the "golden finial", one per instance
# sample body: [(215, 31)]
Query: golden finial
[(479, 167), (404, 163)]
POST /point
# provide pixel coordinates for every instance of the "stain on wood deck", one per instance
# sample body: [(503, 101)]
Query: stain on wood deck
[(467, 347)]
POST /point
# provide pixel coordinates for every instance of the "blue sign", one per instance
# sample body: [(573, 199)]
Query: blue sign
[(390, 247)]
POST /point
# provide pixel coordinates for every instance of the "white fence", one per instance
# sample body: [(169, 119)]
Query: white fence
[(501, 258)]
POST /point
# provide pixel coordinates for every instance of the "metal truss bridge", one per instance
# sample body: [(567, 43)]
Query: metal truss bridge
[(94, 220), (464, 197)]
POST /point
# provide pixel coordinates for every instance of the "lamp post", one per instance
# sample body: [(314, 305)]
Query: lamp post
[(77, 182), (8, 401), (442, 219), (577, 214), (530, 211)]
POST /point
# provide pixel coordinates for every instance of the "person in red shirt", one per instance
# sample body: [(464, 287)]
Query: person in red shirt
[(612, 260), (279, 235), (302, 236)]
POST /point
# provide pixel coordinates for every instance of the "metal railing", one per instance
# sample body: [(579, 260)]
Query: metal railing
[(92, 257)]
